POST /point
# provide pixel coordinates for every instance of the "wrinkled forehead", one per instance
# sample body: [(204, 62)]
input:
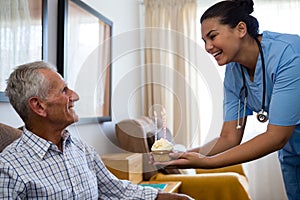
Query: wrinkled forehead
[(53, 78)]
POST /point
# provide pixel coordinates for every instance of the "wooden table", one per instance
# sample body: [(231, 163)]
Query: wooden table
[(126, 166), (172, 186)]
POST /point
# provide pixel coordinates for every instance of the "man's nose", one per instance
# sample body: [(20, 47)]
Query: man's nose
[(74, 96)]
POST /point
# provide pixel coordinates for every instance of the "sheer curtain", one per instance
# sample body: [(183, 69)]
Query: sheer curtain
[(170, 28), (20, 36)]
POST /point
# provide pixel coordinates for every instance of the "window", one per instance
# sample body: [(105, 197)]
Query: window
[(22, 35)]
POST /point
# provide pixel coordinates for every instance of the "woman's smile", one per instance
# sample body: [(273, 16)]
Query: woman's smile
[(217, 54)]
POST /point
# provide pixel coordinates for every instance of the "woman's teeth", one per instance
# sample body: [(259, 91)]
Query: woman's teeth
[(217, 53)]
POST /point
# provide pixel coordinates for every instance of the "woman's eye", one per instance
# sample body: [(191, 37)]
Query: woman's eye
[(212, 37)]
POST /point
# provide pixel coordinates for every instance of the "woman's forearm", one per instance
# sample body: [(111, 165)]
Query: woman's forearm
[(215, 146)]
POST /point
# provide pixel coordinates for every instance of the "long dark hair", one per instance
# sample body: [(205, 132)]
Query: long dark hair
[(232, 12)]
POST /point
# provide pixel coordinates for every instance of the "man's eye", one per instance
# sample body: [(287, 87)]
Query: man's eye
[(65, 90)]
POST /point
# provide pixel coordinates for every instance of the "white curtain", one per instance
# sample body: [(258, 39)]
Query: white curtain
[(20, 36), (170, 73)]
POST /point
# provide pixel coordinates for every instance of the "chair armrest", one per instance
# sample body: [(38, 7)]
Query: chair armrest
[(212, 186), (234, 168)]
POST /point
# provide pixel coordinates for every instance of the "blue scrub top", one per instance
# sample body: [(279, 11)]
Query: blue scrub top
[(282, 59)]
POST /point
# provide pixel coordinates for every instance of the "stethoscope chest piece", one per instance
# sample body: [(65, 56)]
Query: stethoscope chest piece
[(262, 116)]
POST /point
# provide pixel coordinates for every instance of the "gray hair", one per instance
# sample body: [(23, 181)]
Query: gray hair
[(25, 82)]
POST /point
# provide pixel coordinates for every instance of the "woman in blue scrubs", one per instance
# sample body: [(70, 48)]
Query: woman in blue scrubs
[(262, 76)]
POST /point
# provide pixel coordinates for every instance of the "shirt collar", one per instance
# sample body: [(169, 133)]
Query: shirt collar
[(41, 146)]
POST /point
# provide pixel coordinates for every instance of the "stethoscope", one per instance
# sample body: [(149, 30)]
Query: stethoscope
[(262, 115)]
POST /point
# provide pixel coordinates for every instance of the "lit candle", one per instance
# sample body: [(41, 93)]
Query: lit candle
[(164, 121), (155, 125)]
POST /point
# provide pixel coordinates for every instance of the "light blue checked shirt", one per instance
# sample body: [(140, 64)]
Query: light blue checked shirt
[(33, 168)]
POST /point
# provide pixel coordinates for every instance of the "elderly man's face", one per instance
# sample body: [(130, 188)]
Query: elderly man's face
[(60, 100)]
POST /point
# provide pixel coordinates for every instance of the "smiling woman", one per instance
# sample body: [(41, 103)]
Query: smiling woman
[(22, 35), (284, 15)]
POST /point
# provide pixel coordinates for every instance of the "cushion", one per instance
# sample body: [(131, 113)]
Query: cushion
[(8, 134)]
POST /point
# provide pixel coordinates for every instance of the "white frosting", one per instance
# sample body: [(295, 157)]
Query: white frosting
[(162, 145)]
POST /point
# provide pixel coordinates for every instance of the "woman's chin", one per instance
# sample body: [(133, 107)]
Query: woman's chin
[(221, 62)]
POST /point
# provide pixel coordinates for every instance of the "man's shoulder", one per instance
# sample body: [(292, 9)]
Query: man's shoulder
[(14, 150), (81, 144)]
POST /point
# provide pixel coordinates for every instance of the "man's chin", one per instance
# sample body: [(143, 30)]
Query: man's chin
[(75, 118)]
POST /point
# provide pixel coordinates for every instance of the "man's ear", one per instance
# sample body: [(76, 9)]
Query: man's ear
[(37, 106), (241, 27)]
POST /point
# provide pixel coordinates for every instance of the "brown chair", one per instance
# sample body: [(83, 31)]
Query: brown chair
[(8, 134), (137, 136)]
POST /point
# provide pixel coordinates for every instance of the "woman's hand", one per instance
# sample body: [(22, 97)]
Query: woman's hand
[(186, 160)]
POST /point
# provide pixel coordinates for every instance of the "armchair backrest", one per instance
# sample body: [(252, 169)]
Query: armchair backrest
[(133, 133), (137, 136), (8, 134)]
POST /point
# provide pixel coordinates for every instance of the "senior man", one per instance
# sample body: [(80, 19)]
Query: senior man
[(47, 162)]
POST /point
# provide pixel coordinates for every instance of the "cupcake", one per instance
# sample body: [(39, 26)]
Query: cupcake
[(161, 149)]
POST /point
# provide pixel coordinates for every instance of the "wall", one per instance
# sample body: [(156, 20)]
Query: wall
[(125, 18)]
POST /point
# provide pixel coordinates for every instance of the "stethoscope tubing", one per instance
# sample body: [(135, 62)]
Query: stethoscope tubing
[(262, 116)]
